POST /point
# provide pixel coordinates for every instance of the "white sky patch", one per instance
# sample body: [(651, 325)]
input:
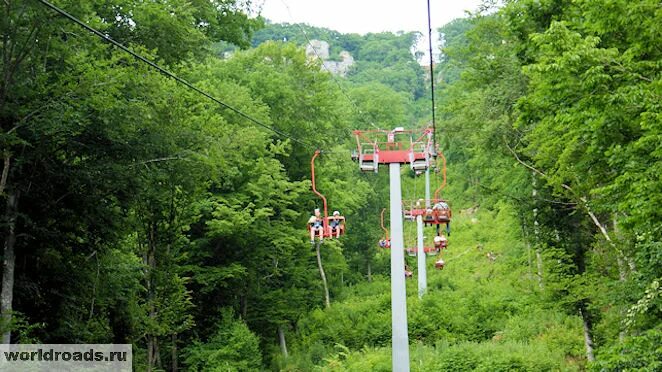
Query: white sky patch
[(365, 16)]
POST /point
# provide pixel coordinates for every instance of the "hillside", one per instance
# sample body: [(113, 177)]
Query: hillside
[(483, 311), (156, 191)]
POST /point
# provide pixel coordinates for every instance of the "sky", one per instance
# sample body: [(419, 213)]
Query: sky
[(363, 16)]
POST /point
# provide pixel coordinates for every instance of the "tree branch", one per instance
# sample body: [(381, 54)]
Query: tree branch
[(636, 74), (145, 162), (582, 199)]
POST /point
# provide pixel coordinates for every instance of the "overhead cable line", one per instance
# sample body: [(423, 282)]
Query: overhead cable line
[(172, 75), (305, 35), (434, 126)]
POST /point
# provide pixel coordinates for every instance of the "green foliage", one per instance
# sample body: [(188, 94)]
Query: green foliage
[(477, 314), (232, 347), (374, 99), (635, 353), (454, 37), (145, 211), (469, 356)]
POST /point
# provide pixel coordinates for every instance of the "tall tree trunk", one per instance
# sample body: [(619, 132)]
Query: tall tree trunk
[(622, 271), (157, 354), (588, 338), (5, 173), (151, 341), (244, 305), (281, 340), (173, 353), (152, 348), (150, 353), (540, 268), (369, 273), (529, 249), (620, 257), (327, 301), (536, 231), (530, 260), (8, 265)]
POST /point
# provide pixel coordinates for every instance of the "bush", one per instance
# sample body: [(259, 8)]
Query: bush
[(233, 347), (635, 353)]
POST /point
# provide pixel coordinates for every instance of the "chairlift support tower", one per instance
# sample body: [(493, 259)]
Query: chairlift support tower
[(418, 152)]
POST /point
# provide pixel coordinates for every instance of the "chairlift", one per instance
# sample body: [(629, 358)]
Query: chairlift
[(372, 150), (440, 242), (431, 251), (332, 226), (440, 213)]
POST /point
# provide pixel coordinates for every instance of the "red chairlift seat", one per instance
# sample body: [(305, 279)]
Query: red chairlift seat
[(437, 216), (431, 251), (333, 226), (440, 243), (329, 231), (412, 209), (407, 215), (439, 264)]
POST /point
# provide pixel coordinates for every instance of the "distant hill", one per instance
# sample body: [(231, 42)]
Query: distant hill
[(383, 57)]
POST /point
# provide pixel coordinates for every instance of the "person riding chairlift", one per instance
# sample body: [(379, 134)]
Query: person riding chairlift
[(441, 205), (440, 242), (384, 243), (408, 272), (316, 226), (335, 223), (442, 208)]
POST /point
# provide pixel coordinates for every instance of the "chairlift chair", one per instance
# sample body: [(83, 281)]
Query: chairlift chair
[(431, 251), (372, 150), (327, 221)]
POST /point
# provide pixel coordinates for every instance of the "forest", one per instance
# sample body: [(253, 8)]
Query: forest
[(162, 201)]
